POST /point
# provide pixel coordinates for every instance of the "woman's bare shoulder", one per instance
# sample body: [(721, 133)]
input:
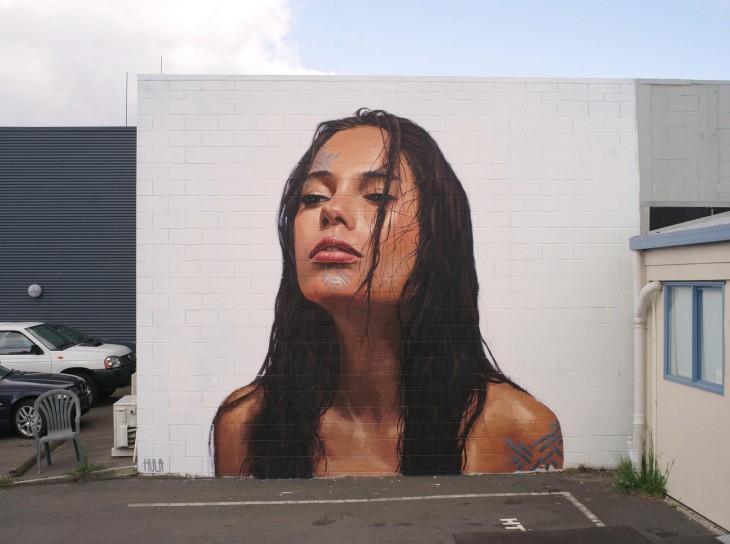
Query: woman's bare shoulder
[(515, 432), (505, 402), (232, 430), (242, 404)]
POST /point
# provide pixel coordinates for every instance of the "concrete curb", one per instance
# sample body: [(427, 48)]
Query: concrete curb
[(23, 467), (697, 518), (110, 474), (105, 474)]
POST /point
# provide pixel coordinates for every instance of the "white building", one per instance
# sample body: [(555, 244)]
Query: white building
[(688, 331), (560, 174)]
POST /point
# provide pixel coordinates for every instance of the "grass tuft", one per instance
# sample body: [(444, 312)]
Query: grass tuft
[(84, 466), (648, 478), (5, 482)]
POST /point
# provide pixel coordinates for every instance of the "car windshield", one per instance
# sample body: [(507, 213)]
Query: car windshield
[(73, 334), (51, 338), (4, 372)]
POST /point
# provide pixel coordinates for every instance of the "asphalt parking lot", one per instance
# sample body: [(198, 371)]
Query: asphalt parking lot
[(566, 507)]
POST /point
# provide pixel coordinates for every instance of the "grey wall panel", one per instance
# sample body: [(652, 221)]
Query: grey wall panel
[(683, 146), (67, 223)]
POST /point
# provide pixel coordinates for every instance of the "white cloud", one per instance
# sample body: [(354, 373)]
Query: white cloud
[(64, 63)]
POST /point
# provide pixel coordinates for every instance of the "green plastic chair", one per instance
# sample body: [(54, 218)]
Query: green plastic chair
[(59, 412)]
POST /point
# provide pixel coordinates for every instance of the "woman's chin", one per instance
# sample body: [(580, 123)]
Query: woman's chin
[(334, 299), (349, 301)]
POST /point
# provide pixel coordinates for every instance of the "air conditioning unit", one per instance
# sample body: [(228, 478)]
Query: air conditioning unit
[(125, 426)]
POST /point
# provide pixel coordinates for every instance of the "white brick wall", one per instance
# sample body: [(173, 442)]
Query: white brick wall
[(550, 167)]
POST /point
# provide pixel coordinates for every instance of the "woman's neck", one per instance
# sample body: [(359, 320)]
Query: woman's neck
[(369, 367)]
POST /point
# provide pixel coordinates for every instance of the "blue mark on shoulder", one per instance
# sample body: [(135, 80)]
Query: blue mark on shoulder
[(543, 453)]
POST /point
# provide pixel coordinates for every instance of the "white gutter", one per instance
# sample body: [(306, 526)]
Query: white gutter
[(642, 298)]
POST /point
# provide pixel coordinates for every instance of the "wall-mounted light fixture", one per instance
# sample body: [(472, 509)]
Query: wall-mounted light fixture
[(35, 290)]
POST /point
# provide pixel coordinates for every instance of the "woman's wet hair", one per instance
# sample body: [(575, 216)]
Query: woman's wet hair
[(445, 365)]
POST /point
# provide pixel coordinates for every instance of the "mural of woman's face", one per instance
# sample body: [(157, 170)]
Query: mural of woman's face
[(337, 214)]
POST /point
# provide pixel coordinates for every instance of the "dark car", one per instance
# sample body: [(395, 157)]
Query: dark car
[(19, 389)]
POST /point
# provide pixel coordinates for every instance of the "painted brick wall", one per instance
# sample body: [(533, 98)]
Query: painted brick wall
[(550, 167), (684, 134)]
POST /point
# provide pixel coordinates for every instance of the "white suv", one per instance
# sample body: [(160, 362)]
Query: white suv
[(39, 347)]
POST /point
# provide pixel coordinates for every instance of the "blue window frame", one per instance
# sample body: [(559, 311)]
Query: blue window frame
[(693, 339)]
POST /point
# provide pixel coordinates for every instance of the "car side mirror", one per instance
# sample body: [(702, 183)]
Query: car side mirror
[(35, 349)]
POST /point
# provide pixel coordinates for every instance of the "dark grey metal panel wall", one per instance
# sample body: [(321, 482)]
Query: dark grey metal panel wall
[(67, 223)]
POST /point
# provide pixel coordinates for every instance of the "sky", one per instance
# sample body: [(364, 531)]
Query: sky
[(65, 62)]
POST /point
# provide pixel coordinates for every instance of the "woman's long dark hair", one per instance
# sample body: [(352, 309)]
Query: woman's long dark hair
[(444, 369)]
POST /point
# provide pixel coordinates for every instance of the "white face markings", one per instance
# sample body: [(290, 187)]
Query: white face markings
[(334, 278), (324, 159)]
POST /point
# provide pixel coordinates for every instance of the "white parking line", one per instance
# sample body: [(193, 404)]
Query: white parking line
[(566, 494), (584, 509)]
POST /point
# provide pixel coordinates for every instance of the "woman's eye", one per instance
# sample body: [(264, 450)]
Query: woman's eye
[(312, 200), (379, 197)]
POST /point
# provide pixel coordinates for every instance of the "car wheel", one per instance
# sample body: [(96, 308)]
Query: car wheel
[(93, 385), (23, 420), (106, 393)]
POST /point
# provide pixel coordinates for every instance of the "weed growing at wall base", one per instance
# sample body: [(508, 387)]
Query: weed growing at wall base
[(648, 478), (84, 466)]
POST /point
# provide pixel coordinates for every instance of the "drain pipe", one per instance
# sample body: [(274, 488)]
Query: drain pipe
[(642, 297)]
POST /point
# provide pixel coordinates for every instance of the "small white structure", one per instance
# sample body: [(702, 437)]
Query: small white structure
[(688, 329), (125, 426)]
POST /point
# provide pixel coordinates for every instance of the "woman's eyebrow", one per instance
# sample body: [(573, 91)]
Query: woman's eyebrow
[(380, 173), (319, 174)]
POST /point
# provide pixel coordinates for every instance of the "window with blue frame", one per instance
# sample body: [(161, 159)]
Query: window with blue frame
[(693, 343)]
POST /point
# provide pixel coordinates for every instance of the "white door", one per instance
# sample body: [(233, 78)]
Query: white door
[(19, 352)]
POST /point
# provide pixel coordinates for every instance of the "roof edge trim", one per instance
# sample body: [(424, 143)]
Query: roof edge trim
[(689, 237)]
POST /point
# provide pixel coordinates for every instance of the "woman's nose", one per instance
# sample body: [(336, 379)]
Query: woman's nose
[(338, 210)]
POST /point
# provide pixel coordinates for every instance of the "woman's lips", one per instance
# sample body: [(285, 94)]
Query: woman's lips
[(334, 250)]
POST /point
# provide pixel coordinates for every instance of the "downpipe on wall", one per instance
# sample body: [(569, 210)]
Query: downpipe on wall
[(642, 298)]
